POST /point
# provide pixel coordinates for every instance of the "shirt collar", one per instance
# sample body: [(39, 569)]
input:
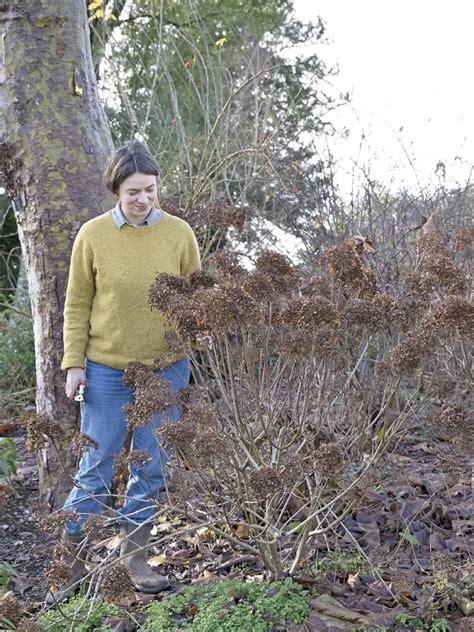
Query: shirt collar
[(120, 220)]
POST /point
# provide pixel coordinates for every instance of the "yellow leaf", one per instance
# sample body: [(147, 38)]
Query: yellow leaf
[(158, 560), (380, 434), (163, 518), (95, 5), (99, 14), (205, 533), (111, 16), (221, 41)]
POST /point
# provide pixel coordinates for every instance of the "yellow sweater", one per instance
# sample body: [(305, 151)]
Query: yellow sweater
[(106, 316)]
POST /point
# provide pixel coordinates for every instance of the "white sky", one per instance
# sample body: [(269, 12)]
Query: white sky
[(408, 64)]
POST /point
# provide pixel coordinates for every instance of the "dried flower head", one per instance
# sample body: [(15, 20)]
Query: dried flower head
[(279, 269), (120, 477), (165, 288), (259, 285), (81, 442), (265, 482), (209, 444), (95, 527), (226, 264), (136, 373), (432, 244), (58, 573), (410, 352), (464, 241), (318, 286), (116, 583), (219, 308), (55, 522), (152, 394), (455, 315), (345, 264), (10, 609), (199, 279), (138, 458), (39, 428), (328, 460), (455, 423), (374, 314), (6, 492), (307, 313), (222, 215), (440, 272), (176, 435)]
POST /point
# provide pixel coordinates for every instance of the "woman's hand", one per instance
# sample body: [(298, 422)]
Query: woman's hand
[(75, 376)]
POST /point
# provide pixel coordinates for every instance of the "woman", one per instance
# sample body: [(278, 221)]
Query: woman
[(107, 324)]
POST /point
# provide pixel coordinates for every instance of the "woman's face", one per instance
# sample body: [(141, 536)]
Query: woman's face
[(136, 196)]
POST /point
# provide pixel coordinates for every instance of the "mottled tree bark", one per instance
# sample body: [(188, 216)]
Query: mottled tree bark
[(54, 139)]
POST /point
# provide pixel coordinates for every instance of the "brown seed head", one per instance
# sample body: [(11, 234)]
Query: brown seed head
[(116, 583), (464, 241), (40, 427), (279, 269), (138, 458), (165, 288), (345, 264), (328, 460), (265, 482), (219, 308), (226, 264), (6, 492), (54, 523), (81, 442), (95, 527), (455, 315), (307, 313), (10, 609)]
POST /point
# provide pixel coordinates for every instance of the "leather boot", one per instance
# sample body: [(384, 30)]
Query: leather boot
[(77, 562), (133, 555)]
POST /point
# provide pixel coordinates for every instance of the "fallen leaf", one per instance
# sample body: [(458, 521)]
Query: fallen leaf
[(329, 606), (466, 606), (119, 624), (242, 531), (158, 560)]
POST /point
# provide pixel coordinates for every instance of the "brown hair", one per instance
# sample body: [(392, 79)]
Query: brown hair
[(134, 157)]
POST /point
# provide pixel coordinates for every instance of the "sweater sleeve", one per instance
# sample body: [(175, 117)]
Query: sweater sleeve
[(190, 258), (79, 295)]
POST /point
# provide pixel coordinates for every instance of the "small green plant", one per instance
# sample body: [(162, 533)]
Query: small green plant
[(80, 614), (230, 606), (335, 562), (435, 625), (6, 571), (7, 458)]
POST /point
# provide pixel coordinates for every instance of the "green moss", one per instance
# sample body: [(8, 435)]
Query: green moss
[(80, 614), (230, 606)]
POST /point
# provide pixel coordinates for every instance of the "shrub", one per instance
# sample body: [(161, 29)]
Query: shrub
[(302, 385)]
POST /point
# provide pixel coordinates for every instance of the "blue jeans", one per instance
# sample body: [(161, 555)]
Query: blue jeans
[(104, 420)]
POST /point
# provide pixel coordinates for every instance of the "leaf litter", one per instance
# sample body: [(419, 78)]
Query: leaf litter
[(406, 548)]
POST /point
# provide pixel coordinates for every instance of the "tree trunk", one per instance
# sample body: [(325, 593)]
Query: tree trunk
[(54, 140)]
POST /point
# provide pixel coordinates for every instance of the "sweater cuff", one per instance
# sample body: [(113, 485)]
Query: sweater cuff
[(72, 362)]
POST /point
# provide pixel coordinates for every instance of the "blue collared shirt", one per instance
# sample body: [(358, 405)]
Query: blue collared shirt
[(120, 220)]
